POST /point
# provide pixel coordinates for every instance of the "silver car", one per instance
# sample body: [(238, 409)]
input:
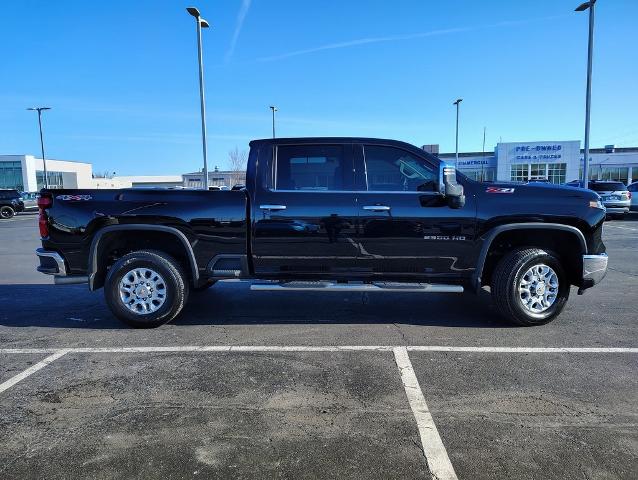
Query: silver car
[(30, 200), (633, 192), (614, 195)]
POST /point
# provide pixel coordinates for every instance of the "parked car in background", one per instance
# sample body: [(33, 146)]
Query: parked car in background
[(633, 190), (615, 196), (30, 200), (10, 203)]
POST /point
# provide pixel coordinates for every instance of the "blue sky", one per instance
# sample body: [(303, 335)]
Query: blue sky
[(121, 76)]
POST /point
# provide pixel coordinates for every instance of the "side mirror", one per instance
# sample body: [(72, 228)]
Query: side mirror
[(452, 191)]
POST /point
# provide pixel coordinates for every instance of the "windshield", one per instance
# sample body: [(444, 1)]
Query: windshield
[(607, 187)]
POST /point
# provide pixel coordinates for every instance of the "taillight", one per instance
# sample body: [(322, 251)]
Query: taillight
[(45, 201), (629, 195)]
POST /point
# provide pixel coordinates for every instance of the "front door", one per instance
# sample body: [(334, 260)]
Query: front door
[(304, 213), (406, 228)]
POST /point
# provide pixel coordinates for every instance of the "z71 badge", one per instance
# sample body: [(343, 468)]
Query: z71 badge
[(499, 190), (77, 198)]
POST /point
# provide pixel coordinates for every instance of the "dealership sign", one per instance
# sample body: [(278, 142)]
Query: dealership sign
[(539, 152)]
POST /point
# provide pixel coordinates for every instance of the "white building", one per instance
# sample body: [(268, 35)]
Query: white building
[(555, 161), (26, 173)]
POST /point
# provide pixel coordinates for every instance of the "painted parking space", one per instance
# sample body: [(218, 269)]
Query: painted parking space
[(534, 415), (12, 365), (212, 415)]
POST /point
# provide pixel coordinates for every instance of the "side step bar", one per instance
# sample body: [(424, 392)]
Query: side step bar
[(356, 287)]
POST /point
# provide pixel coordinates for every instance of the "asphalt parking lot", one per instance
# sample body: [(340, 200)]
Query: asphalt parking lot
[(261, 385)]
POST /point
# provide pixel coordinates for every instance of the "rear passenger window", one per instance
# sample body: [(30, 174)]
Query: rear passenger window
[(309, 167), (390, 169)]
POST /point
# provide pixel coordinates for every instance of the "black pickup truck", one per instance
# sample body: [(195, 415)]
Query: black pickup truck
[(329, 214)]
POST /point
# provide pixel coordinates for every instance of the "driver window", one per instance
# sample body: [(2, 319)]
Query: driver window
[(390, 169)]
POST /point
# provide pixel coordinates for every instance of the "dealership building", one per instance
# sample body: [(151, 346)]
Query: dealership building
[(554, 161), (26, 173)]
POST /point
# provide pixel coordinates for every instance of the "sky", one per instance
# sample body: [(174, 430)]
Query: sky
[(121, 76)]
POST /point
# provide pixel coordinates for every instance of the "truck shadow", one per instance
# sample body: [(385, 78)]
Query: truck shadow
[(234, 304)]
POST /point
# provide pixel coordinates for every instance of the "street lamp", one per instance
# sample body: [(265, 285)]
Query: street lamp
[(44, 162), (201, 23), (590, 47), (457, 103), (274, 109)]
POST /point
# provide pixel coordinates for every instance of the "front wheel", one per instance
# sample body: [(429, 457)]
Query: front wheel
[(7, 212), (146, 288), (529, 287)]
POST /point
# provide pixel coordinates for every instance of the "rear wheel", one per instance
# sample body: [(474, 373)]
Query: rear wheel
[(529, 287), (146, 288), (7, 212)]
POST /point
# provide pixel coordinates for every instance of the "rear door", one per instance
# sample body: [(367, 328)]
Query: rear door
[(406, 228), (303, 210)]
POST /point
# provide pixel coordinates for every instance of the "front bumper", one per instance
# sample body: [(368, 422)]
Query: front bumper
[(52, 263), (594, 269)]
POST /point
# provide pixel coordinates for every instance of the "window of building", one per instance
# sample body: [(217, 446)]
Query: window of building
[(309, 167), (11, 175), (482, 175), (54, 179), (556, 172), (519, 172), (538, 171), (599, 172), (391, 169)]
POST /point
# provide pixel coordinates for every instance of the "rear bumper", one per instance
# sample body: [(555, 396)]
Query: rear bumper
[(52, 263), (594, 269), (617, 209)]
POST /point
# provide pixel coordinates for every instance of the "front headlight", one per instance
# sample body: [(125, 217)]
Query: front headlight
[(596, 204)]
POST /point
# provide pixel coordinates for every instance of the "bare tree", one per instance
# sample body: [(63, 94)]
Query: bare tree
[(238, 160)]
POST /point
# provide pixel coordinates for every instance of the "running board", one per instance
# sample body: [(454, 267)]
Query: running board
[(356, 287)]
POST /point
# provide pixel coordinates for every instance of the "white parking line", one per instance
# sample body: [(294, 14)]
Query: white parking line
[(320, 348), (438, 461), (624, 228), (31, 370)]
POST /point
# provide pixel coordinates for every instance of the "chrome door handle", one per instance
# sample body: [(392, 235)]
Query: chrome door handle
[(272, 207), (377, 208)]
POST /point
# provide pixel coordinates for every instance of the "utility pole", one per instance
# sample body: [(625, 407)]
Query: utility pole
[(457, 103), (483, 159), (44, 162), (274, 109), (590, 50), (201, 23)]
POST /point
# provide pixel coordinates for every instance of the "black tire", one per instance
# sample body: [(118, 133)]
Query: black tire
[(175, 286), (505, 283), (204, 287), (7, 212)]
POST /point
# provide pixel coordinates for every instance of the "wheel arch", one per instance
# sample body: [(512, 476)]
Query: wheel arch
[(97, 266), (573, 249)]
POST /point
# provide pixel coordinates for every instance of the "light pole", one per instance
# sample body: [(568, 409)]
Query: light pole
[(457, 103), (590, 47), (44, 162), (274, 109), (201, 23)]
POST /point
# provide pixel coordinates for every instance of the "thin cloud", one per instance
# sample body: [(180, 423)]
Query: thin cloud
[(241, 16), (396, 38)]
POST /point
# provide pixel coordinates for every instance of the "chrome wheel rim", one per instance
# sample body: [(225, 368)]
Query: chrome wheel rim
[(538, 288), (142, 291)]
